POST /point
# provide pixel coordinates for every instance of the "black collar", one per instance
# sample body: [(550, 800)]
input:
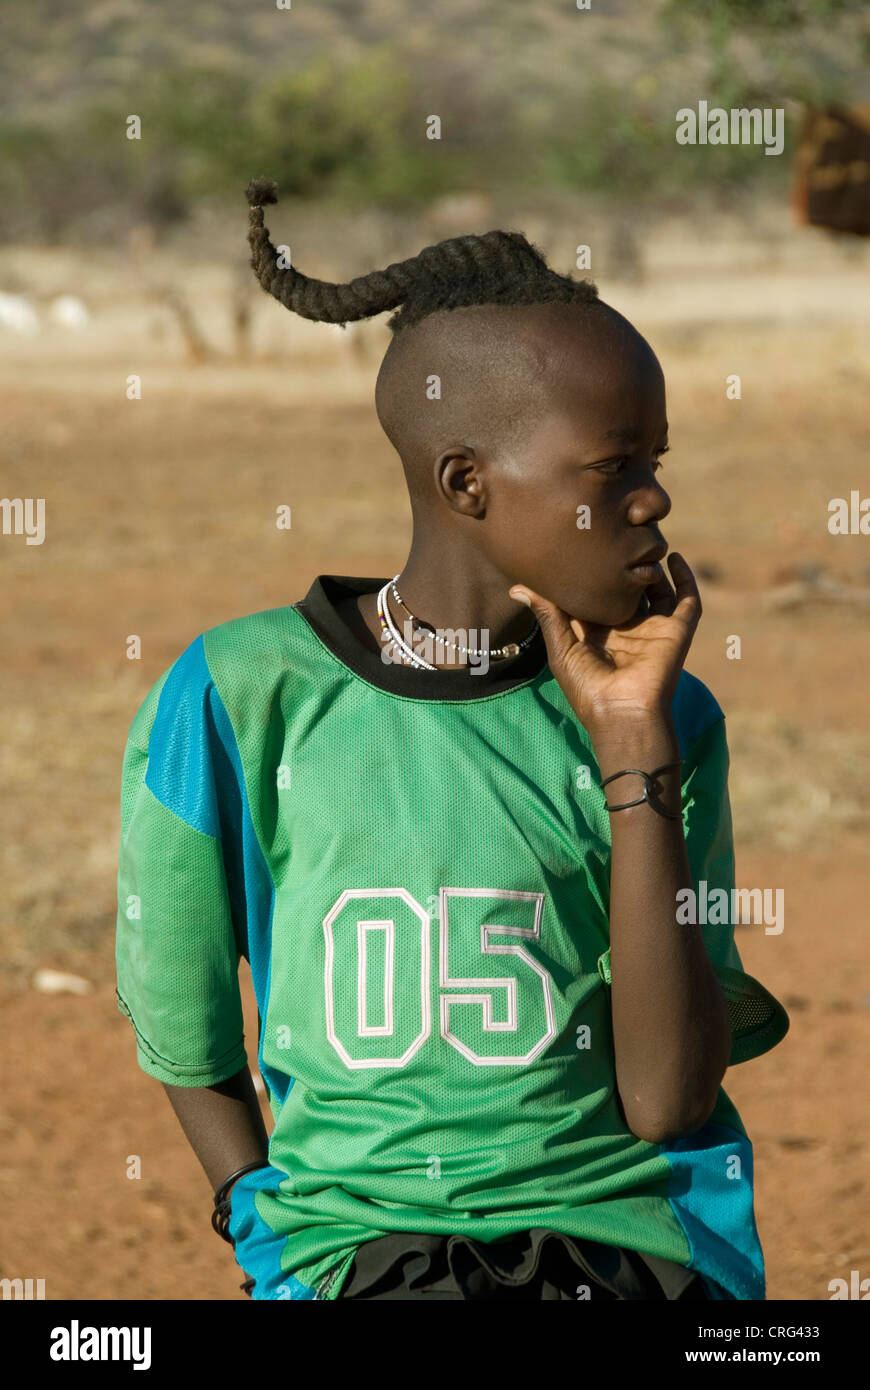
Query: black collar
[(318, 609)]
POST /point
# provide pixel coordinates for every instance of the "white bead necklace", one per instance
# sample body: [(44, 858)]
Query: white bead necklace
[(388, 625)]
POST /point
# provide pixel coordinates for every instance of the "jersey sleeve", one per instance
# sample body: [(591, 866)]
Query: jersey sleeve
[(177, 951), (758, 1020)]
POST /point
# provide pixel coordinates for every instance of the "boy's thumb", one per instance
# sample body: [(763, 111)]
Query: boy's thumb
[(557, 633)]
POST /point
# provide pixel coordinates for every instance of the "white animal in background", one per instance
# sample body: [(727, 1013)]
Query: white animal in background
[(18, 315), (69, 312)]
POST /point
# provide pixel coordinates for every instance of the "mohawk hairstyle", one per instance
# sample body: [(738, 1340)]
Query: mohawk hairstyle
[(496, 268)]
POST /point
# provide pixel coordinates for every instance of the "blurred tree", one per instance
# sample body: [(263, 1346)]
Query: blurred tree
[(819, 54), (761, 14), (345, 121)]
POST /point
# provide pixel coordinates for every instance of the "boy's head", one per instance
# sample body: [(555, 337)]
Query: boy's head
[(516, 399)]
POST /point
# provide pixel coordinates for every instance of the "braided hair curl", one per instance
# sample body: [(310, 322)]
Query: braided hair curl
[(495, 268)]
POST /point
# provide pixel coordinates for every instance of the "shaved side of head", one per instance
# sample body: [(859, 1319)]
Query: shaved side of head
[(484, 376)]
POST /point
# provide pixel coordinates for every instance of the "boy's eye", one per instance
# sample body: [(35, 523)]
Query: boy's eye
[(615, 465)]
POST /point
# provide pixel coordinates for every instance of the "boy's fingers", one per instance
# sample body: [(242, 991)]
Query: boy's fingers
[(660, 596), (555, 624), (688, 600)]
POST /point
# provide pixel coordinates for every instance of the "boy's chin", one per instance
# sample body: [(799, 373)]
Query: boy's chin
[(634, 612), (641, 611)]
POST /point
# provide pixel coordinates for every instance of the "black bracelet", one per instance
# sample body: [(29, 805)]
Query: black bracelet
[(649, 794), (220, 1217)]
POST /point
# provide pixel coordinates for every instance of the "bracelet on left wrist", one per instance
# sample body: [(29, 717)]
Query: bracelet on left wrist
[(650, 789), (220, 1217)]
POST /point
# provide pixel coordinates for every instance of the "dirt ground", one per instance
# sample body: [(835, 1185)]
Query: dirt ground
[(160, 523)]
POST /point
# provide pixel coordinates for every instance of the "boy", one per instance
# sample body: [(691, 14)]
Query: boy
[(493, 1045)]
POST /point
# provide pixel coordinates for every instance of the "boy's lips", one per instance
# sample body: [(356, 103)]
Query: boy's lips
[(647, 568)]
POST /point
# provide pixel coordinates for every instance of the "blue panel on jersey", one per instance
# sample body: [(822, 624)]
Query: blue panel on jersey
[(715, 1210), (252, 891), (258, 1248), (179, 771), (194, 769), (694, 709)]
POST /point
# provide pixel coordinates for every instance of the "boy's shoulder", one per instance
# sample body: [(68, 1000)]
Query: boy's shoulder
[(232, 660), (695, 709), (244, 645)]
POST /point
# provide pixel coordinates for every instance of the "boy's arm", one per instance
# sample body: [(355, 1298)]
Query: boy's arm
[(223, 1124), (177, 947), (671, 1027), (671, 1024)]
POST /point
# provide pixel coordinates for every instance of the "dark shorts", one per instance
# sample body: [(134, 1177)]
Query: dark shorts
[(532, 1266)]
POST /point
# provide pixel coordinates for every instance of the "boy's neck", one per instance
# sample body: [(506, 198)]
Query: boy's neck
[(361, 614)]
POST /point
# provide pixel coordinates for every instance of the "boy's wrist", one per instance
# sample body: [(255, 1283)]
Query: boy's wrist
[(220, 1217), (643, 741), (225, 1188)]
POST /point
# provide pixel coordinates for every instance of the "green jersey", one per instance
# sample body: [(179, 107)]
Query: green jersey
[(416, 866)]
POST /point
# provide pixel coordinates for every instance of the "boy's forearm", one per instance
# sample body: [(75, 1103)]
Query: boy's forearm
[(671, 1030), (223, 1124)]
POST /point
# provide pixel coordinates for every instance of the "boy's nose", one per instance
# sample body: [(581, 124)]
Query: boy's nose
[(650, 503)]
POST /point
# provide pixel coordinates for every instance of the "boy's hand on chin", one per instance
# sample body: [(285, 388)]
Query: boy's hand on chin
[(627, 672)]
